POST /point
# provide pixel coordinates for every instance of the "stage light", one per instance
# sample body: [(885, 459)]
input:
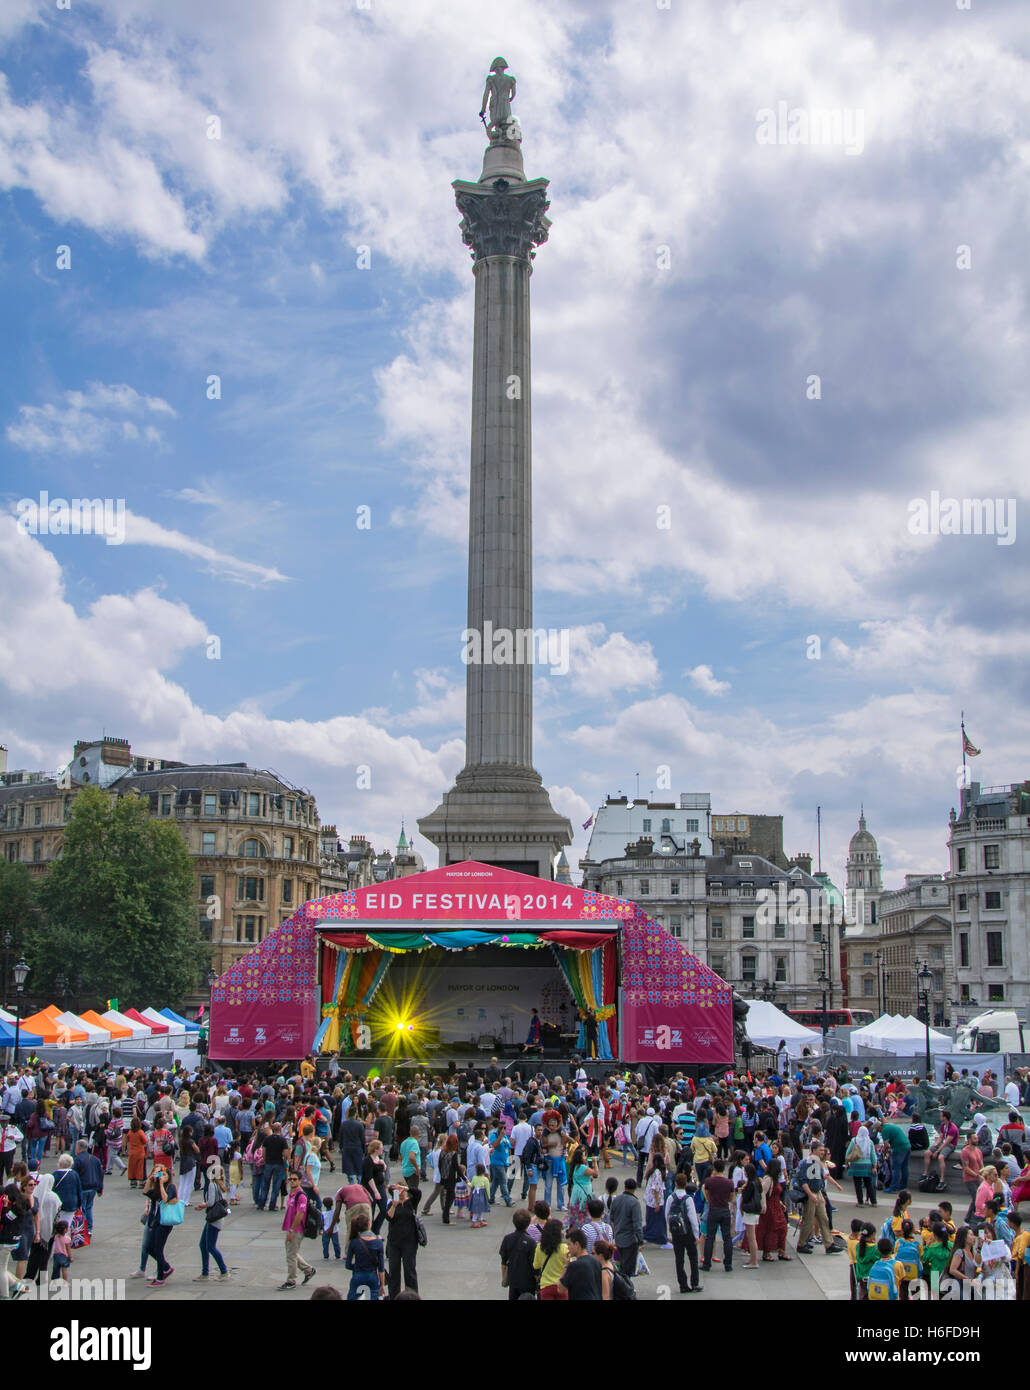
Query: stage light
[(400, 1027)]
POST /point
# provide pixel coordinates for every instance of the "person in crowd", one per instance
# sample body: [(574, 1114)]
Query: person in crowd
[(516, 1254), (159, 1190), (294, 1218), (549, 1261), (216, 1211), (367, 1262), (402, 1238), (628, 1227)]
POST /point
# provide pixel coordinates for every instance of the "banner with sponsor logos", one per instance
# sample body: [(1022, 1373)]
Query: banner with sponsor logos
[(674, 1008)]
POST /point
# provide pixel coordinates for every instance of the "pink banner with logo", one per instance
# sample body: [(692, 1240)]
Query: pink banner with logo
[(674, 1009), (265, 1007)]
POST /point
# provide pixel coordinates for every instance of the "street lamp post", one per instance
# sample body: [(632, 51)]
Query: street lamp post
[(823, 983), (3, 982), (21, 970), (924, 976)]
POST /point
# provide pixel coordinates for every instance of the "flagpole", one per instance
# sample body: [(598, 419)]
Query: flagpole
[(964, 782)]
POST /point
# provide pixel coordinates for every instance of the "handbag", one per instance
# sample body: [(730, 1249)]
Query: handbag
[(172, 1213), (218, 1210), (420, 1232)]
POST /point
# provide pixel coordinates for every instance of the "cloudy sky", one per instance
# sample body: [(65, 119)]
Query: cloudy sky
[(784, 337)]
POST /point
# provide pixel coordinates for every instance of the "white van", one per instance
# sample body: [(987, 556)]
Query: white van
[(998, 1030)]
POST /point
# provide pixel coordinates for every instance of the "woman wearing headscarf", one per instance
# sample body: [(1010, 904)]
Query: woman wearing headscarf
[(861, 1158), (837, 1134), (49, 1206)]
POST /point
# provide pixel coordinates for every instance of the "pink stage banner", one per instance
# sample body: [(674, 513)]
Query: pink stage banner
[(265, 1007), (674, 1009), (472, 892)]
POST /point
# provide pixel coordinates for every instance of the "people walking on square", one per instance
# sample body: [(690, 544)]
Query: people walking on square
[(402, 1239), (295, 1215)]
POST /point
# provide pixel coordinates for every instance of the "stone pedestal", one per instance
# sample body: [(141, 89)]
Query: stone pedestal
[(498, 811)]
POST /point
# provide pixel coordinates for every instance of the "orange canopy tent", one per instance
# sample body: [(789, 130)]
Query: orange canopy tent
[(115, 1029), (46, 1025)]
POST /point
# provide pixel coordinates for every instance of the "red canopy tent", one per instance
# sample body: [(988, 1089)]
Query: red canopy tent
[(147, 1022)]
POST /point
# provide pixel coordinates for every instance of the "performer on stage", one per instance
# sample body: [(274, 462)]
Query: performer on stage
[(532, 1042), (590, 1020)]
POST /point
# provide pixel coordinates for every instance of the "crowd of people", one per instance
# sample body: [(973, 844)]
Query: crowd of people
[(716, 1171)]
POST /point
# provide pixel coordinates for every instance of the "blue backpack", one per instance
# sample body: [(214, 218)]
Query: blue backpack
[(881, 1284)]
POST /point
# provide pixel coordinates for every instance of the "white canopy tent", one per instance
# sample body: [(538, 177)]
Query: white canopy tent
[(767, 1026), (139, 1030), (904, 1036), (93, 1033), (176, 1030)]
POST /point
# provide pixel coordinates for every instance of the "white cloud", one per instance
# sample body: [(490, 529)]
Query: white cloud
[(88, 421), (704, 679)]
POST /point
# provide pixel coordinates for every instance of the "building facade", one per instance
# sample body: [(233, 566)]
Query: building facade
[(914, 934), (764, 928), (989, 868)]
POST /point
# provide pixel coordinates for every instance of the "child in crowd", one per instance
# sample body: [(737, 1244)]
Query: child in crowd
[(61, 1250), (235, 1164), (480, 1196), (327, 1221)]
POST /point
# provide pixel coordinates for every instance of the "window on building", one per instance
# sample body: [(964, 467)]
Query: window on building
[(253, 849), (207, 885), (251, 889), (647, 827), (37, 815), (995, 994), (254, 804), (674, 887), (960, 861), (13, 851), (994, 948), (992, 901), (666, 826), (287, 846), (205, 926), (964, 990), (289, 810), (936, 952), (246, 928), (748, 927), (287, 890), (645, 887), (992, 856), (868, 986), (618, 887), (676, 920), (817, 931), (207, 842), (719, 965), (715, 889), (210, 804), (780, 931), (747, 890), (963, 948), (963, 902), (780, 971), (938, 982), (867, 957), (166, 804), (748, 966), (37, 851), (692, 826)]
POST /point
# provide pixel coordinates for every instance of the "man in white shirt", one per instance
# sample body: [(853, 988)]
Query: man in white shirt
[(520, 1133), (1011, 1091)]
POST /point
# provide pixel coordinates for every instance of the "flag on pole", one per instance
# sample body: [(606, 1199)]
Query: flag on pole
[(200, 1013), (588, 823), (968, 749), (112, 1004)]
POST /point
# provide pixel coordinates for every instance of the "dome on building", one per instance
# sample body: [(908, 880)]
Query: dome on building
[(863, 841)]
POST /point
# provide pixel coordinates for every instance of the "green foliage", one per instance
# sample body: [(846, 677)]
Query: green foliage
[(18, 904), (119, 908)]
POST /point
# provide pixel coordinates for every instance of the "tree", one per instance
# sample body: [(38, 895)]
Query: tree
[(119, 907), (18, 910)]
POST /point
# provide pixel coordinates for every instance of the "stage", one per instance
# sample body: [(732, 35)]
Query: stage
[(448, 964)]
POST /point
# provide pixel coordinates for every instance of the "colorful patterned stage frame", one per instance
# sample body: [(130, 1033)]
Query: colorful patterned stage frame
[(269, 1006)]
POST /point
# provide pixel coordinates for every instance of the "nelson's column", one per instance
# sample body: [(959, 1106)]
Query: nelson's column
[(498, 810)]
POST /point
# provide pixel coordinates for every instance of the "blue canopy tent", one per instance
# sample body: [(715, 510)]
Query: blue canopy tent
[(25, 1038), (177, 1018)]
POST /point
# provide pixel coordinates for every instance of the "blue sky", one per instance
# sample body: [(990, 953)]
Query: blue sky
[(673, 378)]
